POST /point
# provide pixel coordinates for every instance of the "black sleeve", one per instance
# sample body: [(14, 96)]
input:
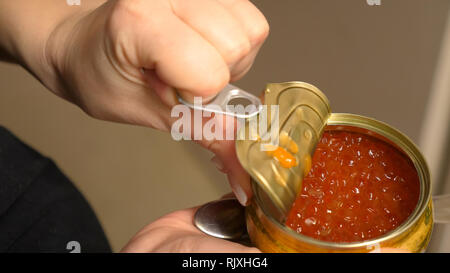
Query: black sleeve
[(40, 209)]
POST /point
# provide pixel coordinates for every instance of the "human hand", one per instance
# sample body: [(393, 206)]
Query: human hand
[(176, 232), (122, 60)]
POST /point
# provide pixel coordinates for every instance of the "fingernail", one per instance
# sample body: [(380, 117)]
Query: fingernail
[(218, 163), (240, 194)]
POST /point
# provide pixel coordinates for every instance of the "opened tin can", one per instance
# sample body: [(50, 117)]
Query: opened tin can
[(265, 217)]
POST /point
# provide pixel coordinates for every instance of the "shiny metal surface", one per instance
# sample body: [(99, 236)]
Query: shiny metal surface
[(223, 219), (221, 103), (303, 111)]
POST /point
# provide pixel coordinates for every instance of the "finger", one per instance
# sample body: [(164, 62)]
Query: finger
[(227, 162), (217, 25), (256, 28), (242, 67), (183, 59), (252, 20), (222, 145), (202, 243), (176, 240), (238, 178), (176, 233), (166, 93)]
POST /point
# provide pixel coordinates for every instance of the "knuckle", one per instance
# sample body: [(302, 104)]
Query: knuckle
[(235, 51), (241, 71), (259, 32)]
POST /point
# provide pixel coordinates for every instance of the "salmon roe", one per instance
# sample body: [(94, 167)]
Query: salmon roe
[(285, 158), (358, 188)]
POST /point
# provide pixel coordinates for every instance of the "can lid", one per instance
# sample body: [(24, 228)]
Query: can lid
[(287, 132)]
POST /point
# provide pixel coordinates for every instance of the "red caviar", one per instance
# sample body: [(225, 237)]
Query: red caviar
[(358, 188), (285, 158)]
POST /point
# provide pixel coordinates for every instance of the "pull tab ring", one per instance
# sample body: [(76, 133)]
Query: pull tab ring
[(221, 103)]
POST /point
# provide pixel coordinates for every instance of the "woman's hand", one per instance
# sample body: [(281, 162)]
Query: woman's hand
[(122, 60), (194, 46), (175, 232)]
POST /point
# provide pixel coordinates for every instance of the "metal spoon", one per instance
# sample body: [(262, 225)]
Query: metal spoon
[(224, 219)]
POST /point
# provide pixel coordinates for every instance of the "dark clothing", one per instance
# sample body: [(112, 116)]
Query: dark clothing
[(40, 209)]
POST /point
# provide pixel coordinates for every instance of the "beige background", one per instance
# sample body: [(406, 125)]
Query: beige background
[(375, 61)]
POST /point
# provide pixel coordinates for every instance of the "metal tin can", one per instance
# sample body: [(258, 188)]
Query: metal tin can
[(270, 235), (265, 219)]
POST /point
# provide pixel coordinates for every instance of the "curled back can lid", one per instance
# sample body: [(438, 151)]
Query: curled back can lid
[(275, 147)]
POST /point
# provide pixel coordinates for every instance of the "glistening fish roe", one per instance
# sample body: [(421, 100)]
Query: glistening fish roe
[(358, 188)]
